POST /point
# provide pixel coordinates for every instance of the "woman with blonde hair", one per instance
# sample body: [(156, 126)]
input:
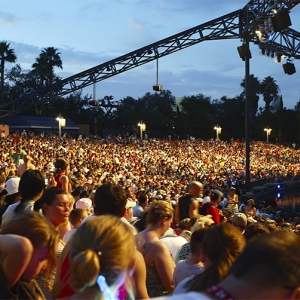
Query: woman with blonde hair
[(221, 245), (159, 263), (27, 245), (102, 257)]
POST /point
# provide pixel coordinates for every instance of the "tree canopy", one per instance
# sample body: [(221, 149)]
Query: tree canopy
[(164, 115)]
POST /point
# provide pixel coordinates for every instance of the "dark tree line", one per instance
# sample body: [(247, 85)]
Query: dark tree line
[(163, 114)]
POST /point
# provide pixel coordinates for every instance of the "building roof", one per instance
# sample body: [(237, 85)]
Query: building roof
[(28, 122)]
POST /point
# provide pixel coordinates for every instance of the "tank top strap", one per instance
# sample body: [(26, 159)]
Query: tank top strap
[(147, 247)]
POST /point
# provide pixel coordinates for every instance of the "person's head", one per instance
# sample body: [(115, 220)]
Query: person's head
[(270, 260), (239, 220), (143, 199), (250, 202), (110, 199), (76, 192), (61, 165), (26, 158), (32, 184), (103, 247), (128, 209), (255, 229), (202, 222), (12, 186), (184, 224), (222, 243), (11, 191), (196, 241), (31, 187), (216, 196), (56, 205), (84, 203), (76, 216), (232, 191), (160, 212), (43, 237), (195, 188)]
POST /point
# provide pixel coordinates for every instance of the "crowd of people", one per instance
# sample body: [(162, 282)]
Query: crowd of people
[(121, 218), (150, 163)]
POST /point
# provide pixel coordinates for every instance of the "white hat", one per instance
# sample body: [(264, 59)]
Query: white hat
[(12, 185), (84, 203), (130, 203), (4, 164)]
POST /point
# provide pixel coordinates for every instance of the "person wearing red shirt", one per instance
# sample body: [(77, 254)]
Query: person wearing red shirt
[(211, 209)]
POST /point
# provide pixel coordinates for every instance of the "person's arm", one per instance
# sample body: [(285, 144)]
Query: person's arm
[(18, 171), (59, 277), (140, 277), (230, 200), (193, 208), (177, 217), (164, 265), (16, 253), (64, 180)]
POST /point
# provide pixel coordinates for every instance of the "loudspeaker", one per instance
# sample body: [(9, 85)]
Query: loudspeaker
[(244, 52), (289, 68), (157, 87), (281, 20)]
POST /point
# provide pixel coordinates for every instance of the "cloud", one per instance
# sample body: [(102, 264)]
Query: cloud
[(135, 23), (8, 18)]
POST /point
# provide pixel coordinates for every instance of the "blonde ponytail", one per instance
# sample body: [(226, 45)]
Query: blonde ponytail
[(86, 268)]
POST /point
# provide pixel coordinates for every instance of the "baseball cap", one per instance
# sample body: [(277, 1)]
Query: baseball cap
[(215, 194), (4, 164), (84, 203), (130, 203), (239, 219), (12, 185)]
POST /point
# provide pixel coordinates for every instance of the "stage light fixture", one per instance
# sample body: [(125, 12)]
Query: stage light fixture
[(279, 58), (244, 52), (289, 68), (281, 20), (263, 32)]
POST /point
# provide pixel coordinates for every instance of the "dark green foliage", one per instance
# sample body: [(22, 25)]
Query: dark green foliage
[(164, 116)]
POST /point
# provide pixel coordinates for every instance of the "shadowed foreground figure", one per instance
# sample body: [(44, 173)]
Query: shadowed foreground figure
[(268, 268)]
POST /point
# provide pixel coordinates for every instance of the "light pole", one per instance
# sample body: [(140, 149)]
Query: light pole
[(268, 131), (218, 130), (61, 122), (142, 126)]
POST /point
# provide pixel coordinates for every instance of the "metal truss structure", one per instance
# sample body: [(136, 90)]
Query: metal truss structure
[(236, 25)]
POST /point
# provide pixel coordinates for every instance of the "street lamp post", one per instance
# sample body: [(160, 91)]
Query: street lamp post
[(142, 127), (61, 122), (268, 132), (218, 130)]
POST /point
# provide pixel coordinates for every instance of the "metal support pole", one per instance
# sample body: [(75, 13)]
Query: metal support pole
[(59, 128), (247, 114)]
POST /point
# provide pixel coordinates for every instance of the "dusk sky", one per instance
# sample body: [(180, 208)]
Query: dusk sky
[(90, 32)]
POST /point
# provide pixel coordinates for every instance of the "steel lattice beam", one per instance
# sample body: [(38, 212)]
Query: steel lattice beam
[(238, 24), (225, 27)]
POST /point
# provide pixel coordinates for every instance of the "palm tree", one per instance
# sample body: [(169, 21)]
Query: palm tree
[(44, 66), (6, 55), (43, 70), (269, 90), (255, 89)]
